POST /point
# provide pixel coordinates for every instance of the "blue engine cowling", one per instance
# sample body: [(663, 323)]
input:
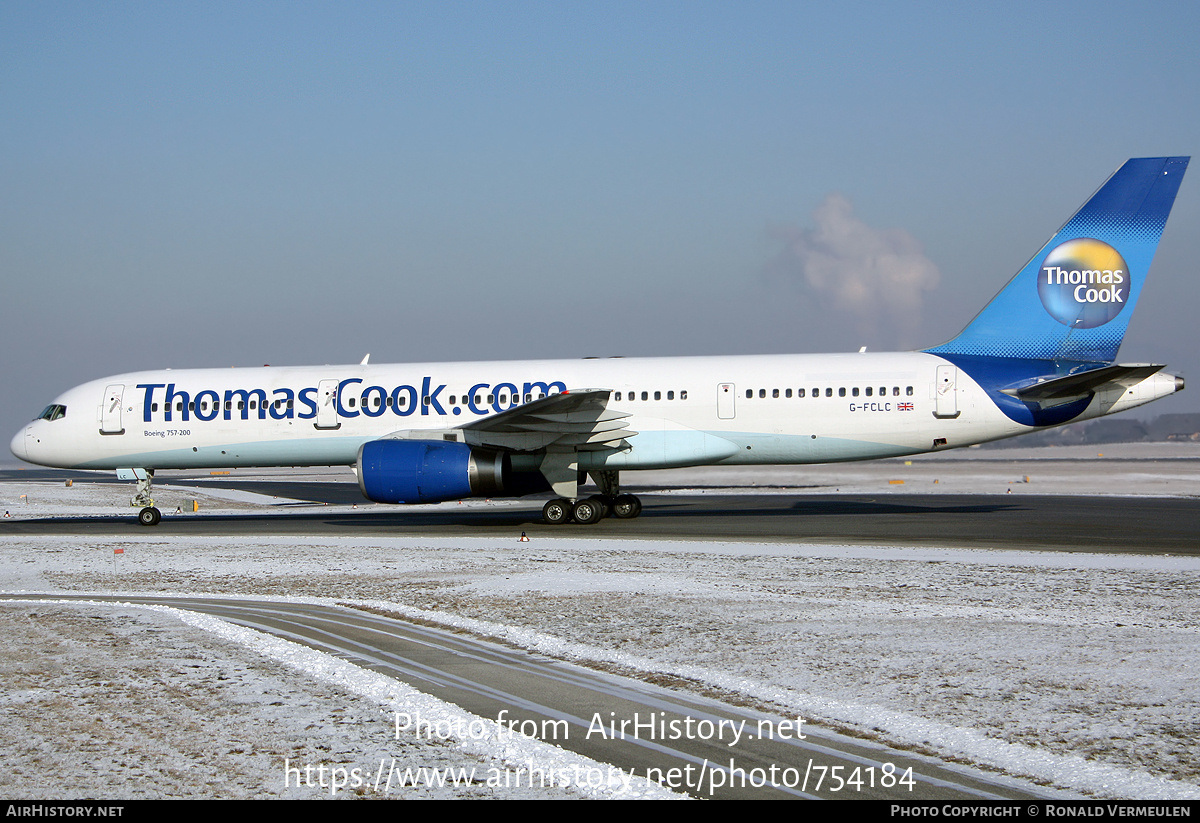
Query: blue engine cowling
[(430, 471)]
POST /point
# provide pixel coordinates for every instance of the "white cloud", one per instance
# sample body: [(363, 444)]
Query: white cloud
[(878, 276)]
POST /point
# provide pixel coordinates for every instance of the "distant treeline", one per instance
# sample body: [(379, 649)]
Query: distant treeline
[(1162, 428)]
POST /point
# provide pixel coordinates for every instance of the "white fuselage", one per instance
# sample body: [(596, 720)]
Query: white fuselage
[(685, 411)]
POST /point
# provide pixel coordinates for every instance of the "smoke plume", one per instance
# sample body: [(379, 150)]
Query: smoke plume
[(876, 276)]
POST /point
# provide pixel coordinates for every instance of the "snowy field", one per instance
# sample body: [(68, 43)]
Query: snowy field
[(1078, 671)]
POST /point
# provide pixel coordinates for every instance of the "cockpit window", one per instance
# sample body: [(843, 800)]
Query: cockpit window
[(53, 412)]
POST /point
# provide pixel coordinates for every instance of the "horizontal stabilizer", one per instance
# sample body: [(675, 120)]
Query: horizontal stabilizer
[(1048, 390)]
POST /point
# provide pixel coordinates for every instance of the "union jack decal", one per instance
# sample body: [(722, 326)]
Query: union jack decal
[(906, 407)]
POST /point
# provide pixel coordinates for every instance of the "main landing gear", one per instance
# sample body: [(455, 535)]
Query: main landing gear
[(589, 510)]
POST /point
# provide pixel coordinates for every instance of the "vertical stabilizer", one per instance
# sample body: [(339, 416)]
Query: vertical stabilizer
[(1073, 300)]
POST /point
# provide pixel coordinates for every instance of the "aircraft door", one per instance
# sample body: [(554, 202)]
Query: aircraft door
[(946, 393), (327, 416), (110, 413), (726, 398)]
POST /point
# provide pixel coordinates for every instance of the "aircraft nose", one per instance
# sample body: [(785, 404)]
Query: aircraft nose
[(17, 445)]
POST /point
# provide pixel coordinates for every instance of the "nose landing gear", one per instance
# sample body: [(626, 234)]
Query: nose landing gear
[(149, 515)]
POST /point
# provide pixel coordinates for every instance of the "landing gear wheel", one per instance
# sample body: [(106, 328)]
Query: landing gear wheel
[(626, 506), (588, 511), (557, 511), (149, 516)]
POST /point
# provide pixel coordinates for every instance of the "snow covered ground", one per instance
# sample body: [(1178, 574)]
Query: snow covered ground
[(1076, 670), (131, 702)]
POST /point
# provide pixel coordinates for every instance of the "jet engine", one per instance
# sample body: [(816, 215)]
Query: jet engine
[(430, 471)]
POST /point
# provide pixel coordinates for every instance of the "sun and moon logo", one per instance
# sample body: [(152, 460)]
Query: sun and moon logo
[(1083, 283)]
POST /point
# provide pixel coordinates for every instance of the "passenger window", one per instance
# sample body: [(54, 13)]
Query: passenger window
[(854, 391), (774, 392), (842, 391), (799, 392), (749, 393), (908, 391), (789, 392), (683, 395), (645, 396), (153, 407), (868, 391), (829, 392), (670, 395)]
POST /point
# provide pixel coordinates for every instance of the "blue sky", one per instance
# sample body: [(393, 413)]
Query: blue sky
[(211, 184)]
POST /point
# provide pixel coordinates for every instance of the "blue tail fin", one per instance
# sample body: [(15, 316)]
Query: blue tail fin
[(1073, 300)]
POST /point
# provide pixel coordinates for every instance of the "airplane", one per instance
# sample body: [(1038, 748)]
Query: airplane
[(1041, 353)]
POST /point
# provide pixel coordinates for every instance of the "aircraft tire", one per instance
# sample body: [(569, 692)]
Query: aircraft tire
[(149, 516), (626, 506), (588, 511), (557, 511)]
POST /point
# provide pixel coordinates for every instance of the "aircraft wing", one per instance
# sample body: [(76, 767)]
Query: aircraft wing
[(559, 426), (578, 420), (1053, 390)]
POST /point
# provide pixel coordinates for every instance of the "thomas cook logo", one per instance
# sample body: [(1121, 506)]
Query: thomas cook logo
[(1083, 283)]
